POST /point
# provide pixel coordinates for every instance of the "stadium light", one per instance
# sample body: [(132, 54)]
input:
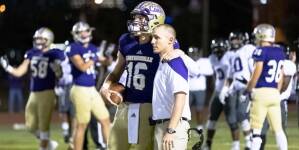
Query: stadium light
[(2, 8), (264, 2), (98, 2)]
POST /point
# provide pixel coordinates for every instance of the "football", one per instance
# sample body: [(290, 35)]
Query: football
[(117, 90)]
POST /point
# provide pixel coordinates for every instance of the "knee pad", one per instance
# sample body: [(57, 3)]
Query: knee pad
[(233, 126), (211, 125), (44, 135), (245, 125)]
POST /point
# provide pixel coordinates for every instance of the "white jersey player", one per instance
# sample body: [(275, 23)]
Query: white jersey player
[(242, 63), (242, 67), (220, 60)]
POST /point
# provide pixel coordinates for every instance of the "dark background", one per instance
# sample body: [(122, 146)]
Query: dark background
[(22, 17)]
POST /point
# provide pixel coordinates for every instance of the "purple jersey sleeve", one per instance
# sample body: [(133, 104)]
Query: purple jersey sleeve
[(179, 67), (176, 44), (72, 50), (259, 55)]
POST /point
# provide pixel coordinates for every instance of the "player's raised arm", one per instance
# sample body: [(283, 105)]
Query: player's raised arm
[(19, 71)]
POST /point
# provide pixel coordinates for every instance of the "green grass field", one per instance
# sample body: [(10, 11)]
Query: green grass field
[(21, 140)]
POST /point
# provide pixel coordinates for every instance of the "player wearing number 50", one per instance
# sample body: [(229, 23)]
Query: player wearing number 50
[(86, 100), (44, 66), (265, 85)]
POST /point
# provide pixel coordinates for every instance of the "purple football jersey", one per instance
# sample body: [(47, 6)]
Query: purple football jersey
[(42, 76), (141, 68), (88, 77), (272, 58)]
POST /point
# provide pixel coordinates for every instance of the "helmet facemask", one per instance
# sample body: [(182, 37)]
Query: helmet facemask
[(82, 32), (43, 38), (153, 14), (219, 46), (138, 24), (40, 43)]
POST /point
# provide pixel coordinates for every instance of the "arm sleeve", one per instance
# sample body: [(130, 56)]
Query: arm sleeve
[(178, 77), (205, 67), (191, 65)]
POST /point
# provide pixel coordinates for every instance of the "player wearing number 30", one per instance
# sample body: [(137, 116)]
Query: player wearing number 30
[(44, 65), (266, 81)]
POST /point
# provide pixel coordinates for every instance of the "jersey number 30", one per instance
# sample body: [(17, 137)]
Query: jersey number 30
[(136, 76), (274, 71)]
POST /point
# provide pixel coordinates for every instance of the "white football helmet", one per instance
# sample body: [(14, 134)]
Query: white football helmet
[(78, 28), (43, 38), (264, 32), (153, 13)]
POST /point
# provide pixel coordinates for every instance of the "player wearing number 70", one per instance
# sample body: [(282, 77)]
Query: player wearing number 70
[(265, 85), (44, 66)]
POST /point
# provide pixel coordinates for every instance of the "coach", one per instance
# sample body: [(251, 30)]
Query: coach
[(171, 110)]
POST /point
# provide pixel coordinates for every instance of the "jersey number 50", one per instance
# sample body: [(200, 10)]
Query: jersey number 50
[(274, 71), (138, 78)]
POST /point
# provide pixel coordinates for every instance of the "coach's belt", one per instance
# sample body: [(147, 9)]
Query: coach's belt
[(159, 121)]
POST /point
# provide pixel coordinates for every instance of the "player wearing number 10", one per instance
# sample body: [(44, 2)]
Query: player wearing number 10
[(44, 65), (267, 81)]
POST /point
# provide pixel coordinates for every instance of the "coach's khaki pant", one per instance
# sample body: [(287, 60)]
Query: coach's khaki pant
[(180, 137), (118, 139), (266, 103), (39, 110), (87, 100)]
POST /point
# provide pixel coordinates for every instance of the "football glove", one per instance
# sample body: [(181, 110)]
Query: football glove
[(5, 64), (246, 95), (224, 94)]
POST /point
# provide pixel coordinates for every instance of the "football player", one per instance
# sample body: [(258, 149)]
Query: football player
[(241, 71), (265, 85), (220, 60), (296, 47), (131, 129), (197, 84), (43, 63), (86, 100), (289, 71), (65, 106)]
